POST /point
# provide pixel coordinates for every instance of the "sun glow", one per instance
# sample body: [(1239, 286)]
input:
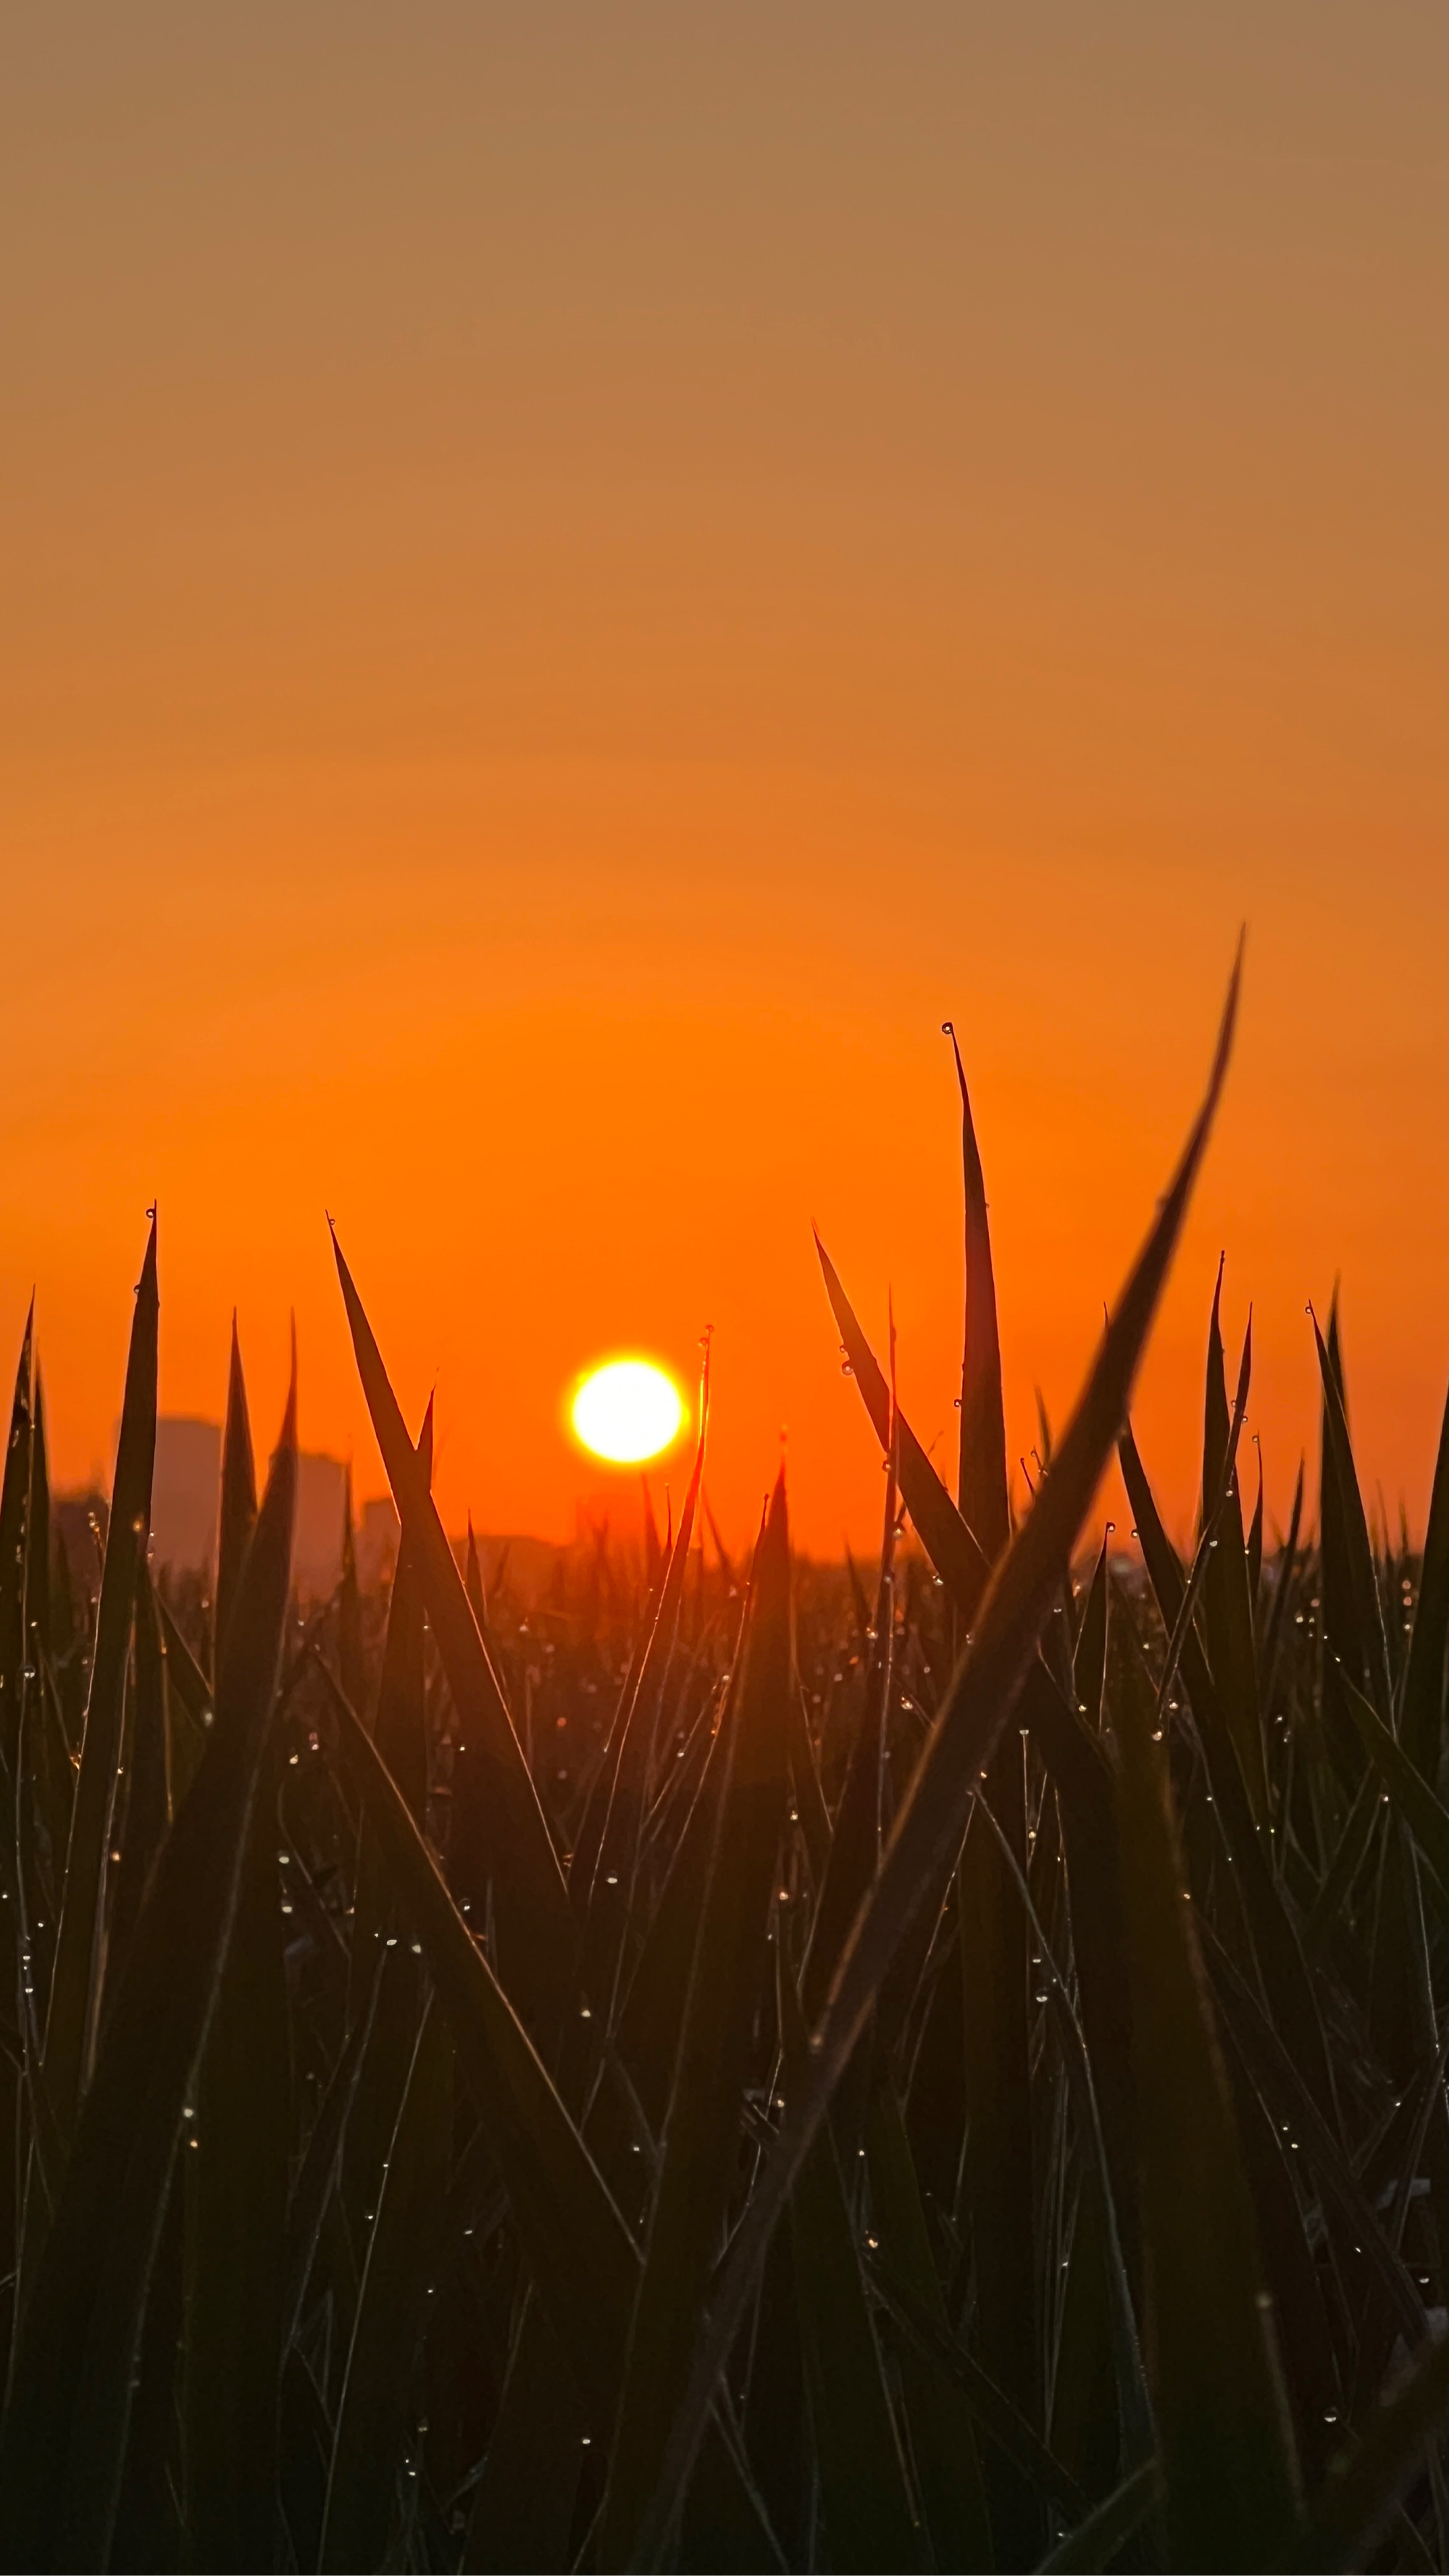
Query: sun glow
[(627, 1411)]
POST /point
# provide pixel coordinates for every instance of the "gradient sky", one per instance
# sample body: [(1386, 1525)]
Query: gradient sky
[(576, 579)]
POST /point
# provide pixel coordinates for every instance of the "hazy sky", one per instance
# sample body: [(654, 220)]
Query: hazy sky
[(576, 579)]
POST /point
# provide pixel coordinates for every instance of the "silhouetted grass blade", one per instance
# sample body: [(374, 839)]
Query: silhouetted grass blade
[(981, 1484), (361, 2511), (147, 1787), (238, 1507), (1215, 2385), (62, 2442), (236, 2183), (932, 1817), (1227, 1592), (535, 1925), (581, 2257), (1421, 1707), (75, 1992), (701, 2131), (955, 1553), (1358, 1552)]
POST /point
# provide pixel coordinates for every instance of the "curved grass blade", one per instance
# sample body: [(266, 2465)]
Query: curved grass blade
[(932, 1816), (536, 1935), (62, 2442)]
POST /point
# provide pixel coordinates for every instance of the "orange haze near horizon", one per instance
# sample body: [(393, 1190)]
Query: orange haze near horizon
[(577, 582)]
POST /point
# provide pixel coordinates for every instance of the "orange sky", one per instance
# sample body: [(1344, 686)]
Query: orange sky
[(575, 581)]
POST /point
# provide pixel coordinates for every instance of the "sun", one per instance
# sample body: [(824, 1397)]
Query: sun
[(627, 1411)]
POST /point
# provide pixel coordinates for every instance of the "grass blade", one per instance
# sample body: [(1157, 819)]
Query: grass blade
[(933, 1814), (1227, 1593), (582, 2259), (1215, 2385), (238, 1508), (701, 2133), (75, 1991), (536, 1937), (981, 1481), (1421, 1707), (358, 2523), (62, 2442)]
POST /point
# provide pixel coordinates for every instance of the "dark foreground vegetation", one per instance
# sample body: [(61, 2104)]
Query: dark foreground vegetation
[(731, 2067)]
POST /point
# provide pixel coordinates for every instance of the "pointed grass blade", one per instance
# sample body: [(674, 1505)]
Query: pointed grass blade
[(76, 1983), (932, 1817), (981, 1484), (955, 1553), (536, 1936), (238, 1507), (1371, 1653), (14, 1498), (1227, 1592)]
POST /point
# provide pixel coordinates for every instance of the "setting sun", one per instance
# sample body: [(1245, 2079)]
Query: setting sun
[(627, 1411)]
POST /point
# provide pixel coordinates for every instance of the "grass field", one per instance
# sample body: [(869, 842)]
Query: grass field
[(732, 2066)]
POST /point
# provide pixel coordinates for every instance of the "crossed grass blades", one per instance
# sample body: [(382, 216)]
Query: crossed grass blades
[(731, 2067)]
